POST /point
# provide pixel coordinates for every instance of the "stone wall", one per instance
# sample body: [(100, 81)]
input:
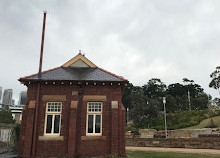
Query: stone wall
[(6, 133), (186, 133), (194, 143)]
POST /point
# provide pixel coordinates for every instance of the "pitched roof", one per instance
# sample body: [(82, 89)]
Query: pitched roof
[(78, 68), (76, 74)]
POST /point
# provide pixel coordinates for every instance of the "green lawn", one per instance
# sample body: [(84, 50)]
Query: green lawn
[(206, 123), (149, 154)]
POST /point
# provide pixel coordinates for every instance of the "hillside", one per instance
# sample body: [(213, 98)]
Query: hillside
[(188, 119), (208, 123)]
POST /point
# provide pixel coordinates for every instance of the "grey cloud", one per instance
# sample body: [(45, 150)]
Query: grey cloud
[(136, 39)]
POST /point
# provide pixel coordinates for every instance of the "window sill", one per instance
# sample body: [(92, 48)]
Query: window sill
[(93, 137), (50, 138)]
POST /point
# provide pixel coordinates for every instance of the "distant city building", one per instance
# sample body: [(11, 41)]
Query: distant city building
[(0, 94), (22, 98), (7, 97)]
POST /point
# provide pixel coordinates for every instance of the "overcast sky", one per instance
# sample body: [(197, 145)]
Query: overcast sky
[(139, 40)]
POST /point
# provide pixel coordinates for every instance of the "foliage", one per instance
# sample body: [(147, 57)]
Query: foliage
[(206, 123), (176, 90), (126, 98), (215, 82), (154, 88), (144, 110), (6, 117), (145, 103), (171, 104), (182, 119), (216, 102), (130, 128), (200, 103)]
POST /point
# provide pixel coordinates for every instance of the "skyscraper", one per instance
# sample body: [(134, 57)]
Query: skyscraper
[(0, 94), (22, 98), (7, 97)]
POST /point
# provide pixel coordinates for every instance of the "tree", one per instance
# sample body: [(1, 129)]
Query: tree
[(6, 117), (176, 89), (144, 110), (215, 82), (171, 104), (154, 88), (126, 98), (200, 103), (216, 102)]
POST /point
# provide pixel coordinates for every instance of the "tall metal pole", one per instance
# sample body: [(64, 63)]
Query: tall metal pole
[(42, 45), (164, 105), (38, 90)]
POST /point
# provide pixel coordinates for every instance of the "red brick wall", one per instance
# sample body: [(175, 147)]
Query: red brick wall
[(73, 123)]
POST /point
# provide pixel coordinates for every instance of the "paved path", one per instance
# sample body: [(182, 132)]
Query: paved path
[(181, 150)]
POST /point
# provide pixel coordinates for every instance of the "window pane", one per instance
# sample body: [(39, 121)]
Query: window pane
[(90, 123), (49, 124), (97, 124), (56, 124)]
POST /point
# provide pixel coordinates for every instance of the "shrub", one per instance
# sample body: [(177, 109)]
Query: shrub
[(6, 117)]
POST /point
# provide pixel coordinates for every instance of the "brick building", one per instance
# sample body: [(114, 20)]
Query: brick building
[(80, 112)]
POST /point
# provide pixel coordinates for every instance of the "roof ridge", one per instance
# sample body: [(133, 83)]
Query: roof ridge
[(120, 77), (42, 72)]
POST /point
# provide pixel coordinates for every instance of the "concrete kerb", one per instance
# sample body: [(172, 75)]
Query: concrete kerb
[(178, 150)]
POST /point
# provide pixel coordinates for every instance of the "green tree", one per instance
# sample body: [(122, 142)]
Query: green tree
[(6, 117), (194, 89), (126, 98), (154, 88), (144, 110), (171, 104), (200, 102), (215, 82), (176, 89)]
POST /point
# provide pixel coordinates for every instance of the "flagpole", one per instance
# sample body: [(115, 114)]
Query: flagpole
[(38, 90)]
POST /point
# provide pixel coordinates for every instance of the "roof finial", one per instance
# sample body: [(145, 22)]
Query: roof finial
[(79, 51)]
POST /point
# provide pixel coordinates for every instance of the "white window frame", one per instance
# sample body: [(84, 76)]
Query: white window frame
[(53, 113), (94, 113)]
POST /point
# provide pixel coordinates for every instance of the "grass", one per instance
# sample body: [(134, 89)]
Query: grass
[(207, 123), (150, 154)]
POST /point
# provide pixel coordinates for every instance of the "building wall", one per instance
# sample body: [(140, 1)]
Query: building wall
[(73, 123)]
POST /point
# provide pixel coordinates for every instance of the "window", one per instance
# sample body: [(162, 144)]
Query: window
[(53, 118), (94, 118)]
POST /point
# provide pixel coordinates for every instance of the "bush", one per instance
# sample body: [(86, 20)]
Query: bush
[(6, 117)]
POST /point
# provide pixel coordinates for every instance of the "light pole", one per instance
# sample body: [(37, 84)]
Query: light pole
[(164, 105)]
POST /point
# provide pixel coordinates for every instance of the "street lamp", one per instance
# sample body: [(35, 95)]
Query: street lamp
[(164, 105)]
